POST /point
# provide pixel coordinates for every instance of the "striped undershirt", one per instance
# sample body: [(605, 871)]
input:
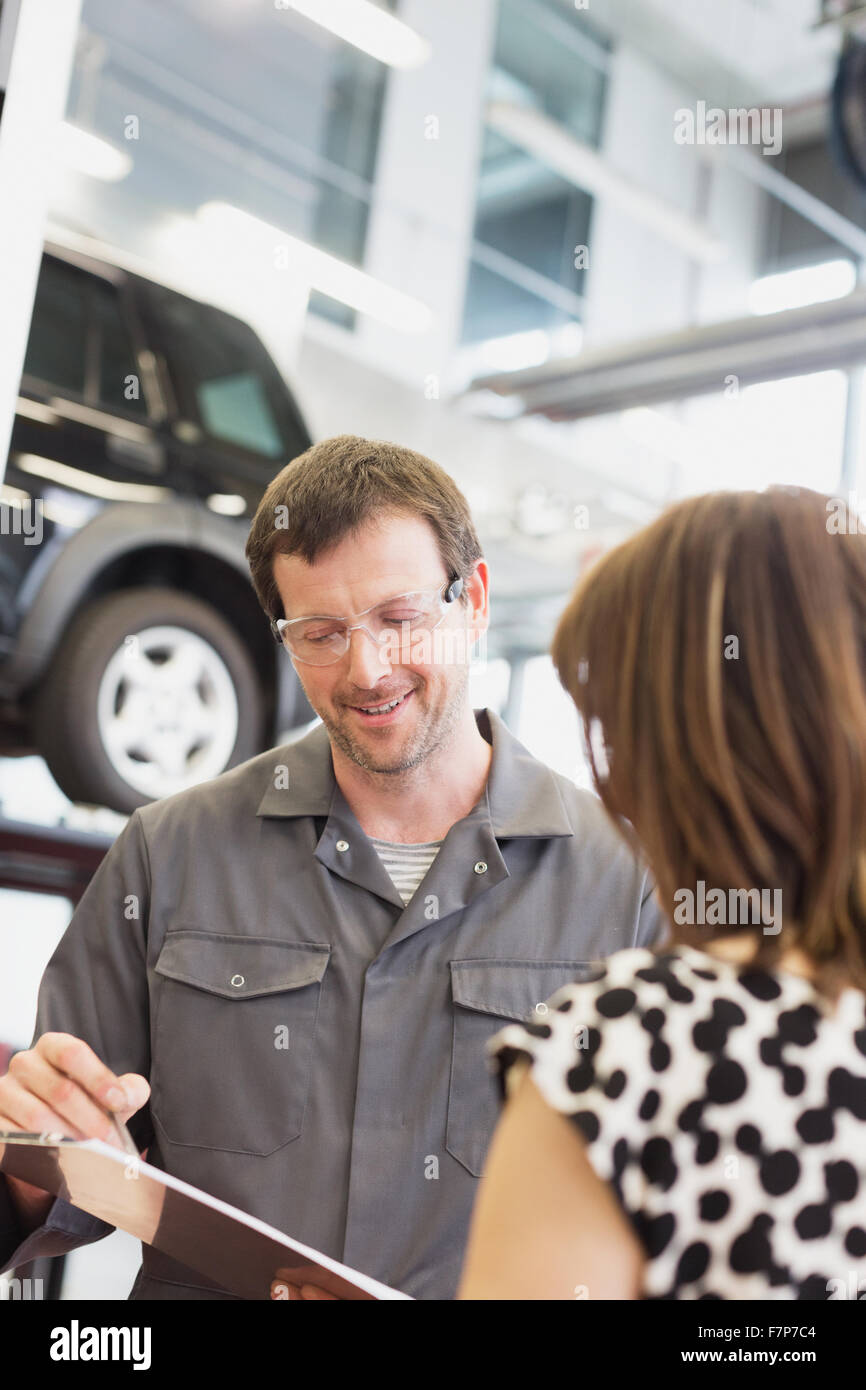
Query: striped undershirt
[(406, 865)]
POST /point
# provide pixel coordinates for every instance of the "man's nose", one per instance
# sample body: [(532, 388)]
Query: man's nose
[(368, 661)]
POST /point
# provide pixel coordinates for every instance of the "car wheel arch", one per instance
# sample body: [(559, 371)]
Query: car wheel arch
[(98, 559)]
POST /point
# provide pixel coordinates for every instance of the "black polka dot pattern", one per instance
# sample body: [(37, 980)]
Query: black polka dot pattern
[(726, 1107)]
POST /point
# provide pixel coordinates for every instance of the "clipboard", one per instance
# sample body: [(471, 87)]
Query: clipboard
[(235, 1252)]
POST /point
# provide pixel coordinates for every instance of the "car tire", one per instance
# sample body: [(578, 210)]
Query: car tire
[(76, 707)]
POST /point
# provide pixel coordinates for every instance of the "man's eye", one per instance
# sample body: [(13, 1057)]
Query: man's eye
[(406, 616), (320, 634)]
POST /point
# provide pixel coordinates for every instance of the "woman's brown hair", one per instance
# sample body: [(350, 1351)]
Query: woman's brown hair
[(718, 661)]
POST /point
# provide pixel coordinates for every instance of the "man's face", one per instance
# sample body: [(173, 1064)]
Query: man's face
[(395, 555)]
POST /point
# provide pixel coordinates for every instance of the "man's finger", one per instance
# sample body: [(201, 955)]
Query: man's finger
[(22, 1112), (78, 1061), (137, 1090), (60, 1096)]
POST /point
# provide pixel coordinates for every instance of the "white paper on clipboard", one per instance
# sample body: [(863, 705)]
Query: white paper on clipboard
[(235, 1251)]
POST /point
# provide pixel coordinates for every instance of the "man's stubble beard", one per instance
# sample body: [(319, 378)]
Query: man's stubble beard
[(432, 735)]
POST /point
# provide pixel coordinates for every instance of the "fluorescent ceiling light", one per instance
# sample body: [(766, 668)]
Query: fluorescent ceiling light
[(246, 238), (515, 350), (88, 154), (556, 147), (368, 27), (811, 284)]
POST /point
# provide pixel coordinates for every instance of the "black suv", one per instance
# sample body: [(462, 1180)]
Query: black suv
[(133, 653)]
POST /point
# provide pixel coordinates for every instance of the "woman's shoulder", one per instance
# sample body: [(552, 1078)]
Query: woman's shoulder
[(581, 1016), (627, 979), (678, 974), (663, 1005), (629, 998)]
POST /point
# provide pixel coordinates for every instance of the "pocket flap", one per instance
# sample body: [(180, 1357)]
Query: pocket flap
[(512, 988), (241, 967)]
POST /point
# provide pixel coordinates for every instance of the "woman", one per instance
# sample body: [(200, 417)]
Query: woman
[(691, 1123)]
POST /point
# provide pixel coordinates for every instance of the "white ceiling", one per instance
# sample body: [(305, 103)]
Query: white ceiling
[(732, 52)]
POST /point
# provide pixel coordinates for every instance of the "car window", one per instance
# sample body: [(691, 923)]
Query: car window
[(56, 347), (79, 343), (118, 385), (224, 375), (236, 408)]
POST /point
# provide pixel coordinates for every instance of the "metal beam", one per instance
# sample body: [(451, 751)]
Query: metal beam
[(694, 361), (758, 170), (49, 858), (39, 57)]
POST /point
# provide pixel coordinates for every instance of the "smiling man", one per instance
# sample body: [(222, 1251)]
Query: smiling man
[(325, 937), (406, 748)]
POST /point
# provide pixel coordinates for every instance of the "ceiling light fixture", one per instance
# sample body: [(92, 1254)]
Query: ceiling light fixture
[(241, 236), (367, 27)]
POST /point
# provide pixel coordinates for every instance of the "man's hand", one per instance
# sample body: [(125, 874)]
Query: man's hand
[(61, 1087)]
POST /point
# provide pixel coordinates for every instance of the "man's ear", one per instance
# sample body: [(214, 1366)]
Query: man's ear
[(477, 590)]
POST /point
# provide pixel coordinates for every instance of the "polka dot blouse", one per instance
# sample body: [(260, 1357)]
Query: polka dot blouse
[(726, 1106)]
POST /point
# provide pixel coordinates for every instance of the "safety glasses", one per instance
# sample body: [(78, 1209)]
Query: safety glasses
[(395, 623)]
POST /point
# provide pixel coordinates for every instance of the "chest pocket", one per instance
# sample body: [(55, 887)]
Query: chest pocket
[(486, 994), (234, 1036)]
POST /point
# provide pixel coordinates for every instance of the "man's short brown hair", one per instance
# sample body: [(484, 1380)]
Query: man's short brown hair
[(335, 487)]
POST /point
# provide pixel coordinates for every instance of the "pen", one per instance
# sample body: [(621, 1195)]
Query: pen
[(123, 1134)]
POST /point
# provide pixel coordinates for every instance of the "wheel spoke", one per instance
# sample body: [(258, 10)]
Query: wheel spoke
[(154, 713), (138, 669), (182, 670), (171, 752)]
